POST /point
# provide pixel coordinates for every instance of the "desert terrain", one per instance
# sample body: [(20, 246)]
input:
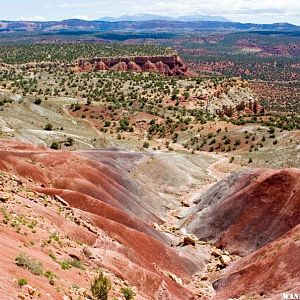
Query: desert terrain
[(136, 172)]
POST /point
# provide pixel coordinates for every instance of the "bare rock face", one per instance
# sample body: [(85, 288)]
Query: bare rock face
[(247, 210), (149, 67), (120, 67), (132, 66), (85, 66), (163, 68), (101, 66), (178, 71), (171, 65)]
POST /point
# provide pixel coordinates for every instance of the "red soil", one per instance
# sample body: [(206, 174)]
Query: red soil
[(248, 210), (268, 272), (106, 198)]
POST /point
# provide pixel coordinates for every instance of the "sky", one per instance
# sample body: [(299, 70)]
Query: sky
[(257, 11)]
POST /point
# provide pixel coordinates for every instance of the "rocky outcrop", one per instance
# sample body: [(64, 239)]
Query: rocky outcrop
[(255, 214), (247, 210), (132, 66), (178, 71), (149, 67), (163, 68), (101, 66), (119, 67), (166, 65), (171, 65)]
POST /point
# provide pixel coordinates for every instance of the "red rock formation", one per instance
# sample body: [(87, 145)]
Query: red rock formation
[(101, 66), (177, 71), (120, 67), (248, 210), (104, 196), (163, 68), (190, 73), (85, 67), (132, 66), (171, 65), (149, 67)]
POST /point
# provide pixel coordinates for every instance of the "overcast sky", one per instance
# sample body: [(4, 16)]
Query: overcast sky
[(260, 11)]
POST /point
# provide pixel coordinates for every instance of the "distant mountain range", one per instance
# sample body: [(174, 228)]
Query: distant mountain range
[(151, 17), (72, 25)]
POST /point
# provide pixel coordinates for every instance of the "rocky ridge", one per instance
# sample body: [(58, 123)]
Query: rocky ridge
[(171, 65)]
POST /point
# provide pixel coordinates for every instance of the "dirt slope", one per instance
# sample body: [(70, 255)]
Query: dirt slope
[(247, 210), (266, 273), (125, 243)]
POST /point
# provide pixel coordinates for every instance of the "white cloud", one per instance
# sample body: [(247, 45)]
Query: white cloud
[(251, 7), (82, 17), (240, 10), (35, 18)]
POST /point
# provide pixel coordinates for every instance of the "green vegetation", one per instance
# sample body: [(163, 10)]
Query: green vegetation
[(5, 101), (34, 266), (100, 287), (65, 265), (48, 127), (68, 264), (38, 101), (161, 112), (52, 256), (55, 146), (68, 52), (128, 293), (51, 276), (22, 282), (146, 145), (6, 215)]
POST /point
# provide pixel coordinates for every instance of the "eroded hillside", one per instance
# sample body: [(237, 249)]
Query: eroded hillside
[(169, 187), (135, 217)]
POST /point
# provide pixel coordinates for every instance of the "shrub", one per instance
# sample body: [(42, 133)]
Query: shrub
[(237, 143), (77, 106), (68, 264), (55, 146), (271, 130), (146, 145), (127, 293), (213, 141), (69, 142), (49, 274), (76, 263), (22, 282), (65, 265), (107, 123), (100, 287), (231, 159), (24, 261), (52, 255), (87, 252), (48, 127), (38, 101)]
